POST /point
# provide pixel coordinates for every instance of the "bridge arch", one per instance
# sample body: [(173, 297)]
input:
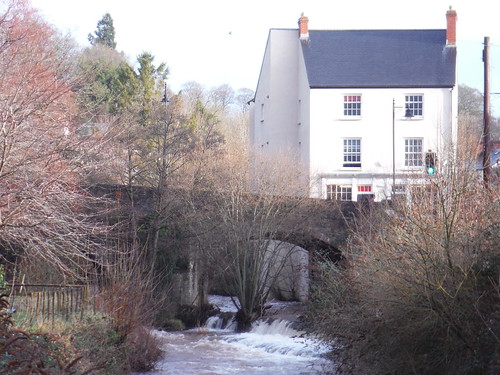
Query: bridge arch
[(292, 281)]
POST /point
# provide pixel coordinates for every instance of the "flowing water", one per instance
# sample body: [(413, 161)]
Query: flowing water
[(270, 348)]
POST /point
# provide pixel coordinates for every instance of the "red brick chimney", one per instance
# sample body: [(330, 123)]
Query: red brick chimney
[(451, 26), (303, 27)]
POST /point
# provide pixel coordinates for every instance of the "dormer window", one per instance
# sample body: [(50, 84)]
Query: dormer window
[(352, 105)]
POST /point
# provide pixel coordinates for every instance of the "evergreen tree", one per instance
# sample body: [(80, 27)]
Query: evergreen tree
[(151, 79), (110, 84), (105, 33)]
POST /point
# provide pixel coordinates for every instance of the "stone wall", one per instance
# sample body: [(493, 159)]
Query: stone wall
[(318, 227)]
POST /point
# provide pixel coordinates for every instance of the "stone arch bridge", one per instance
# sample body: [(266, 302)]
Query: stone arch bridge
[(319, 228)]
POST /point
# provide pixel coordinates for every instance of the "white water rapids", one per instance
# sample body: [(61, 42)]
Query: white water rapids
[(268, 349)]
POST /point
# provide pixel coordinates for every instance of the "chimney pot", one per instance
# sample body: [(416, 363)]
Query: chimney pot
[(451, 27), (303, 27)]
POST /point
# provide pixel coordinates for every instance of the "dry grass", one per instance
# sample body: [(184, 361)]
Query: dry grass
[(99, 344)]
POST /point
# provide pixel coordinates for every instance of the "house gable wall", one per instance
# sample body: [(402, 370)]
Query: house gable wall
[(276, 101)]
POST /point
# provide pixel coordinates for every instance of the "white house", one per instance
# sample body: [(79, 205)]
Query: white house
[(358, 109)]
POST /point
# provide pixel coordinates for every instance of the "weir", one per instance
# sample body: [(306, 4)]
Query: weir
[(272, 346)]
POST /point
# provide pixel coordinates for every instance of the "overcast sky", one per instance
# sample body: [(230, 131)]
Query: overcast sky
[(214, 42)]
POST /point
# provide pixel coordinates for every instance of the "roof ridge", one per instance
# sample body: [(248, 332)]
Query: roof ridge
[(371, 30)]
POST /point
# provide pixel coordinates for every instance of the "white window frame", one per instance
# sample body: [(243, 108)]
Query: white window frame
[(352, 106), (351, 152), (415, 103), (339, 192), (399, 189), (414, 152)]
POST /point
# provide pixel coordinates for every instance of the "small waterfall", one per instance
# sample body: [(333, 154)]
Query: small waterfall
[(276, 327), (225, 319), (214, 322), (279, 338), (222, 321), (271, 347)]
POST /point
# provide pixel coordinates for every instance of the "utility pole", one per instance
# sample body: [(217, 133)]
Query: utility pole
[(486, 131), (393, 191)]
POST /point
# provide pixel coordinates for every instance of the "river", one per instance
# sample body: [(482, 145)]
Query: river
[(270, 348)]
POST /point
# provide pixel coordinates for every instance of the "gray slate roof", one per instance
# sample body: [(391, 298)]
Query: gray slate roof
[(379, 58)]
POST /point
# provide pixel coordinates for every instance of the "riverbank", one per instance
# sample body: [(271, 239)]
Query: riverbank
[(89, 345)]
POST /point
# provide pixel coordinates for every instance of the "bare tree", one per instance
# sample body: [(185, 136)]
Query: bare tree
[(470, 121), (237, 226), (243, 98), (222, 97), (43, 212)]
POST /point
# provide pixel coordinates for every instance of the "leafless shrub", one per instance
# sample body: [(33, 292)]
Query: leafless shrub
[(417, 291), (144, 350)]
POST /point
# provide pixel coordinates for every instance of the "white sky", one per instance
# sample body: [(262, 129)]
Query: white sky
[(214, 42)]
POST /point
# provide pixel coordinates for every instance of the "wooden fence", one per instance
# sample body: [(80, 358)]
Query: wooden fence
[(45, 303)]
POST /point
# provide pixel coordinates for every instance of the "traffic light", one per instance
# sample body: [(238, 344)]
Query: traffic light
[(430, 162)]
